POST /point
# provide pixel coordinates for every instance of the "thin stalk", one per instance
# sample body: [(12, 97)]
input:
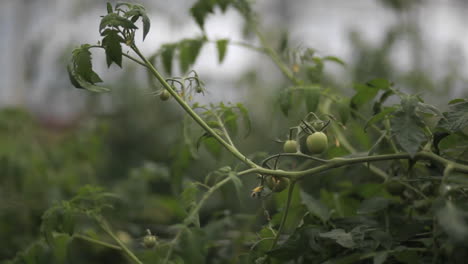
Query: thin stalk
[(285, 214), (97, 242), (223, 128), (103, 224)]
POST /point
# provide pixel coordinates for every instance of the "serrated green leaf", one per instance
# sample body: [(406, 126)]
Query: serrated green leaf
[(111, 43), (334, 59), (200, 10), (221, 45), (114, 20), (365, 93), (213, 146), (312, 99), (72, 78), (230, 120), (188, 52), (407, 129), (315, 207), (373, 205), (381, 84), (245, 117), (82, 62), (136, 11), (223, 4), (146, 25), (458, 100), (428, 109), (78, 82), (456, 119), (109, 8), (341, 237), (167, 53), (376, 118), (285, 101)]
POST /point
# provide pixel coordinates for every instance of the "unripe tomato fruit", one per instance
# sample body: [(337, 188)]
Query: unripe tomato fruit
[(149, 241), (277, 184), (290, 146), (165, 95), (317, 142), (394, 187)]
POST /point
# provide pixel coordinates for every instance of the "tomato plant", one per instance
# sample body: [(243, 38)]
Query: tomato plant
[(388, 186)]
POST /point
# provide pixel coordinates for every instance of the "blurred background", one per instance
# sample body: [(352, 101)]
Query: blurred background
[(55, 138)]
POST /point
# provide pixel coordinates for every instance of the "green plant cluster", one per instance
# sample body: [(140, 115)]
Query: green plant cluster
[(347, 185)]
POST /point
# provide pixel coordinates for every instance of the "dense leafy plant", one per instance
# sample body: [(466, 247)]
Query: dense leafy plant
[(401, 199)]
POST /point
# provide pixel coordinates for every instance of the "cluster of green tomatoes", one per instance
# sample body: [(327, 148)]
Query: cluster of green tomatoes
[(316, 143)]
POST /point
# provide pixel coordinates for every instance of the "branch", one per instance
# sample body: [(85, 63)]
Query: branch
[(341, 162), (192, 113)]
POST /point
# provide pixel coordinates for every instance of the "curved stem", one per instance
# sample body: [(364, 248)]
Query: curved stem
[(341, 162), (97, 242), (192, 113), (301, 155), (223, 128), (285, 215), (103, 224)]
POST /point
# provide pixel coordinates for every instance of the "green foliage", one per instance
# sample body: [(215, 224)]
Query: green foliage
[(389, 186)]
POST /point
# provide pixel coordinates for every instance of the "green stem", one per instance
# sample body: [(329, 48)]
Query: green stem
[(341, 162), (192, 113), (103, 224), (97, 242), (223, 128), (285, 214)]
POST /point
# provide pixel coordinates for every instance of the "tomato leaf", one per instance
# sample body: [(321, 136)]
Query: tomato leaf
[(221, 45), (114, 20), (364, 94), (111, 43), (456, 118), (188, 52), (407, 126), (200, 10), (316, 207), (167, 53), (376, 118)]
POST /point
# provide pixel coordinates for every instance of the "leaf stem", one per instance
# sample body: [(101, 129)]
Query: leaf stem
[(285, 215), (105, 226)]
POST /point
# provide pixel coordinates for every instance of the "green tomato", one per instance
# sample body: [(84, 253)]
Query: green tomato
[(149, 241), (276, 184), (394, 187), (290, 146), (317, 142), (165, 95)]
